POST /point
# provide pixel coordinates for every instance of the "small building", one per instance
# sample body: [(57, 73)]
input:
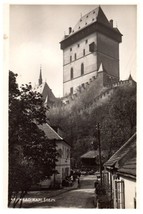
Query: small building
[(90, 160), (121, 175), (63, 163)]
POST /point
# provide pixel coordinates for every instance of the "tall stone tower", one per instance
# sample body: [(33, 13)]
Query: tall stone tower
[(92, 42)]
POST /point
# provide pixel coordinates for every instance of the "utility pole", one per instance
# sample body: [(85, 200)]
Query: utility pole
[(99, 146)]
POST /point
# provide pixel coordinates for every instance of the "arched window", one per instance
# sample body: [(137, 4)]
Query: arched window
[(82, 69), (71, 73)]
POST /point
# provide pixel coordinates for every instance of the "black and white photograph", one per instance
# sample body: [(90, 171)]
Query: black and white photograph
[(72, 106)]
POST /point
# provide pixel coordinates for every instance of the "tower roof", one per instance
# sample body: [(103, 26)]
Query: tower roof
[(94, 21), (93, 16)]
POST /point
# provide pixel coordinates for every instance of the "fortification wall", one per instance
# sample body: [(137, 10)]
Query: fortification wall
[(98, 97)]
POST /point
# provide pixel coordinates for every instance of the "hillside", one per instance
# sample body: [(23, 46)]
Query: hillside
[(114, 108)]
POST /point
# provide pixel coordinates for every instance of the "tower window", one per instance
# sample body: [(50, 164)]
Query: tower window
[(86, 41), (92, 47), (75, 56), (78, 45), (70, 58), (71, 90), (70, 49), (82, 69), (83, 52), (71, 73)]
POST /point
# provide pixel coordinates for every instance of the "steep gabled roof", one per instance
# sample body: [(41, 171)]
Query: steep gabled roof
[(94, 21), (93, 16), (46, 92), (50, 132), (123, 153)]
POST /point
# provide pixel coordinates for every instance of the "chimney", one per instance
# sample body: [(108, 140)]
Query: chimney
[(111, 22), (70, 30)]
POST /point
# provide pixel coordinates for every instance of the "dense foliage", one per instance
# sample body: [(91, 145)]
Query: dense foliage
[(117, 118), (32, 156)]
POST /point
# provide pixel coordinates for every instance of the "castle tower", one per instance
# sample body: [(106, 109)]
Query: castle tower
[(40, 76), (91, 42)]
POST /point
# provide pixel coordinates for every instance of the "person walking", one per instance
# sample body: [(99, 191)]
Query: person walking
[(78, 181)]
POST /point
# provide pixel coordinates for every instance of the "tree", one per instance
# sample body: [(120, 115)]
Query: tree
[(117, 118), (32, 156)]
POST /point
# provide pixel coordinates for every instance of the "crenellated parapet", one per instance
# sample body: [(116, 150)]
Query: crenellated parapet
[(97, 99)]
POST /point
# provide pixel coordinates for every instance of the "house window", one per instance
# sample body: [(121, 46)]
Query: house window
[(78, 45), (71, 73), (83, 52), (71, 90), (70, 49), (86, 41), (75, 56), (119, 196), (82, 69), (70, 58)]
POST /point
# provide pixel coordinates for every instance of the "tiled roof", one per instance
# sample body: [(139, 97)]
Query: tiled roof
[(128, 148), (92, 154), (50, 132), (93, 16)]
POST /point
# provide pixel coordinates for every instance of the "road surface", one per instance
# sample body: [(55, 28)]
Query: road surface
[(77, 198)]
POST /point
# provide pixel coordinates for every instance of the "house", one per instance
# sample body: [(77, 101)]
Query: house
[(121, 175), (92, 42), (63, 163)]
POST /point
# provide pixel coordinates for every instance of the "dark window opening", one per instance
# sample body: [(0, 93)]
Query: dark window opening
[(70, 58), (71, 90), (75, 56), (71, 73), (92, 47), (78, 45), (82, 69), (70, 49)]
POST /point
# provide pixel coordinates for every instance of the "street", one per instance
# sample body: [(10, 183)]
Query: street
[(78, 198)]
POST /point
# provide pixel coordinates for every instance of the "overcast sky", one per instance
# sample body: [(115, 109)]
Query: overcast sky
[(36, 30)]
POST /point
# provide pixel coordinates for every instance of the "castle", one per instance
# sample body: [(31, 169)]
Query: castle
[(92, 43), (90, 60)]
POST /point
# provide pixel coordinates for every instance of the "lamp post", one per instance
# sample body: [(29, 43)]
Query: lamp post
[(99, 147)]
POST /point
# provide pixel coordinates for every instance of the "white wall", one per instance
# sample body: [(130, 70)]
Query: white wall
[(89, 60), (130, 193)]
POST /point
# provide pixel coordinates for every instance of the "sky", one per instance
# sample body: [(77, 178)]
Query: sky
[(35, 32)]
